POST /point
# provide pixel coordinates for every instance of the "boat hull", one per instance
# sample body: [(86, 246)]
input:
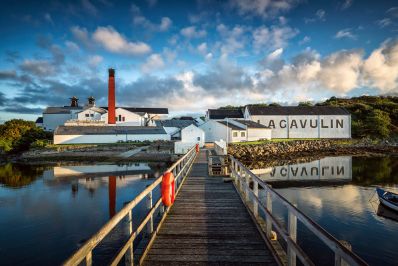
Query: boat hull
[(381, 193)]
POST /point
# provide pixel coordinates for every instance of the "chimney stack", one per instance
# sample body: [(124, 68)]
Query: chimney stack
[(74, 102), (111, 97)]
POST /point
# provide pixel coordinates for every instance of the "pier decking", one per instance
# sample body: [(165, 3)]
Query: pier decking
[(208, 224)]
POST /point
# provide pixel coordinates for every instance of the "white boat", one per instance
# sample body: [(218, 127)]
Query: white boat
[(388, 199)]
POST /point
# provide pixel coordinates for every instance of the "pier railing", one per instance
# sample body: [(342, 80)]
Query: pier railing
[(180, 170), (243, 178)]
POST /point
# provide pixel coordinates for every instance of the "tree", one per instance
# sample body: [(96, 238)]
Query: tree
[(307, 103), (378, 124)]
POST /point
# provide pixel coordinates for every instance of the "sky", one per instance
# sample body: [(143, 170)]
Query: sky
[(193, 55)]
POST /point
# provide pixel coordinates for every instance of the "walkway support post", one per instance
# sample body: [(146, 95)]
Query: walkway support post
[(255, 203), (268, 219), (149, 207), (129, 258), (292, 229)]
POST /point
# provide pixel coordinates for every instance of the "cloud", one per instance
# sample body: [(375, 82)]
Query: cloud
[(202, 48), (262, 8), (153, 62), (382, 23), (393, 11), (71, 46), (48, 18), (381, 67), (191, 32), (346, 4), (81, 34), (232, 40), (89, 7), (95, 60), (265, 38), (114, 42), (345, 33), (320, 15), (40, 68), (139, 19), (305, 40)]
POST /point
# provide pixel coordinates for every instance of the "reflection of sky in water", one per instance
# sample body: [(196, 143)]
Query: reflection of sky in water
[(44, 222), (345, 212)]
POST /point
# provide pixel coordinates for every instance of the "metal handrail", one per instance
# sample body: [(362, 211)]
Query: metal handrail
[(239, 172), (179, 169)]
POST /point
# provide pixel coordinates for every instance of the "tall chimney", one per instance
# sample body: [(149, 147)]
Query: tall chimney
[(111, 97)]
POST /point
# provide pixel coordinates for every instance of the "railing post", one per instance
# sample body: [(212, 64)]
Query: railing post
[(292, 223), (129, 257), (89, 258), (255, 203), (149, 207), (247, 180), (337, 259), (268, 220)]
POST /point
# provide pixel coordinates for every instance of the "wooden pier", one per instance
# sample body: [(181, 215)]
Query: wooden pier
[(208, 224), (212, 222)]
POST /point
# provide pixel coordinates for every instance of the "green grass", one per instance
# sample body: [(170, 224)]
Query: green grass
[(269, 141)]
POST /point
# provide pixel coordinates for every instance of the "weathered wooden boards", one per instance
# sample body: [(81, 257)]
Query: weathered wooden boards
[(208, 224)]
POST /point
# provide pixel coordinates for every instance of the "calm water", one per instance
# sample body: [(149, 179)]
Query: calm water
[(48, 212), (340, 197)]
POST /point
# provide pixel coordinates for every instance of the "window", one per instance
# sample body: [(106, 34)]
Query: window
[(120, 118), (243, 134), (87, 115), (258, 121), (198, 138), (92, 115), (234, 134), (124, 118)]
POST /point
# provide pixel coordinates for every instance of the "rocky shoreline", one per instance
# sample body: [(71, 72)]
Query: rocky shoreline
[(297, 151)]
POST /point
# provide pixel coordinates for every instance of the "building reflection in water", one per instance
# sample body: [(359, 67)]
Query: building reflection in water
[(112, 195)]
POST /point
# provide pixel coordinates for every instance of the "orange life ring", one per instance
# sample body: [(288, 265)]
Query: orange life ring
[(197, 148), (168, 189)]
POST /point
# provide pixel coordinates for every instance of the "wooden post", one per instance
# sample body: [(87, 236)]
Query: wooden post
[(268, 220), (292, 223), (89, 258), (149, 207), (129, 257), (255, 203), (247, 180)]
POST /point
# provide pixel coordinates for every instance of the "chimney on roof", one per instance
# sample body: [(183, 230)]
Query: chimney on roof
[(111, 97), (74, 102), (90, 101)]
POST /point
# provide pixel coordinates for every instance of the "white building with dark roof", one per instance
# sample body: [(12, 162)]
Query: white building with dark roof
[(221, 114), (302, 121), (233, 130), (107, 134)]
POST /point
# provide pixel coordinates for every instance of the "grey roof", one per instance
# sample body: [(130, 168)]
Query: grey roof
[(107, 130), (60, 110), (174, 123), (39, 120), (96, 109), (297, 110), (251, 124), (225, 113), (144, 110), (231, 126)]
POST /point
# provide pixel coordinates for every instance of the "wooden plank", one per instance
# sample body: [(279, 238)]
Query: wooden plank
[(208, 224)]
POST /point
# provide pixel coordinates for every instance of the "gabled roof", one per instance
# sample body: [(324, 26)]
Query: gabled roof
[(96, 109), (296, 110), (144, 110), (60, 110), (39, 120), (225, 113), (107, 130), (231, 126), (251, 124), (174, 123)]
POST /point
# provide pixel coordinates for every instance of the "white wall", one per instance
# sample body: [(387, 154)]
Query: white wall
[(92, 115), (239, 137), (193, 134), (254, 134), (214, 131), (131, 119), (182, 147), (52, 121), (83, 139), (307, 126)]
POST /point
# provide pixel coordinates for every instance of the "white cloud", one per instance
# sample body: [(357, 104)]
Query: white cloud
[(202, 48), (191, 32), (275, 54), (81, 35), (41, 68), (114, 42), (382, 23), (153, 63), (165, 24), (272, 38), (95, 60), (232, 40), (320, 15), (48, 18), (381, 67), (305, 40), (345, 33), (140, 19), (346, 4), (89, 7), (72, 46), (262, 8)]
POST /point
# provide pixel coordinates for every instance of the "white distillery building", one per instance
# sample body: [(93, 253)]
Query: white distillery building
[(222, 114), (302, 122), (107, 134), (231, 130), (190, 136), (125, 116)]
